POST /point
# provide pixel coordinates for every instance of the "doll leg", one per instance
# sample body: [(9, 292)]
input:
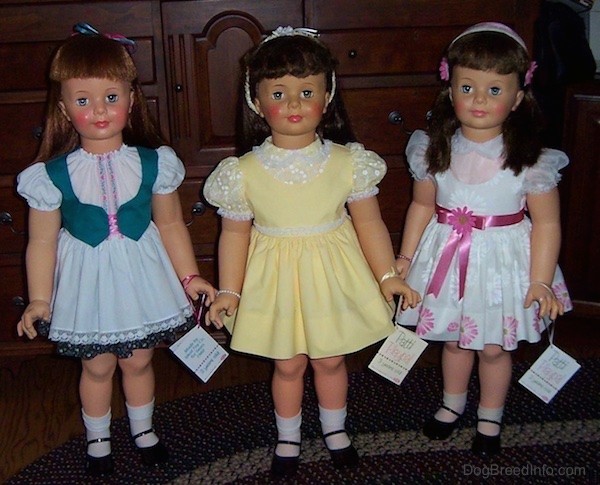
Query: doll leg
[(95, 391), (138, 386), (457, 364), (287, 387), (495, 372), (331, 384)]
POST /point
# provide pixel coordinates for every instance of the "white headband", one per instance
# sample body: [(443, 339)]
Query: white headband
[(284, 32), (493, 27)]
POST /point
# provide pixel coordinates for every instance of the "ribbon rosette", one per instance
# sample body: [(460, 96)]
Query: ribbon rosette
[(462, 221)]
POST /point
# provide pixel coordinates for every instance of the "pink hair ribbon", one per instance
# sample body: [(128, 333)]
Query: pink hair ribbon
[(84, 28)]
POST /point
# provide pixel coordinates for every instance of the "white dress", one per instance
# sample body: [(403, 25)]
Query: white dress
[(121, 294), (497, 272)]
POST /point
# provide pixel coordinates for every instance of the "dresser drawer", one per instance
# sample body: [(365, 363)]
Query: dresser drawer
[(13, 221), (381, 117), (13, 295), (389, 51)]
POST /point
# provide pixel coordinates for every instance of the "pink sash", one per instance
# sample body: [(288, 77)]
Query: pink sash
[(463, 221)]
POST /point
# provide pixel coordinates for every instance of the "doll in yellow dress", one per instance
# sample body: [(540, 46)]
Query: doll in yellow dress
[(301, 279)]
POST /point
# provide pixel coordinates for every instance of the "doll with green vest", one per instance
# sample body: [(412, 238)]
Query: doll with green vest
[(110, 265)]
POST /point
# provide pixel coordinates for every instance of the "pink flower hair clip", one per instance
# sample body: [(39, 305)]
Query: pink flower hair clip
[(444, 69), (529, 74)]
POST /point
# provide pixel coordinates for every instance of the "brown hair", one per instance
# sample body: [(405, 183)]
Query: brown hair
[(93, 56), (299, 56), (521, 131)]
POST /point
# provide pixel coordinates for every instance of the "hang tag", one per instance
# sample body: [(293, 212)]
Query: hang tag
[(549, 373), (200, 352), (398, 355)]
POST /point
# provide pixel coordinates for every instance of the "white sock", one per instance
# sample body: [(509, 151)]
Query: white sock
[(334, 420), (140, 419), (493, 414), (456, 402), (288, 429), (96, 428)]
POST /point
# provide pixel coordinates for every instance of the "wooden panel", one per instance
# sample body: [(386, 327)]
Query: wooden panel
[(12, 293), (580, 256)]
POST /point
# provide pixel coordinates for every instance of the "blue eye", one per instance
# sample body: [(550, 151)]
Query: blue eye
[(495, 91), (81, 101), (465, 88), (112, 98), (307, 93), (277, 95)]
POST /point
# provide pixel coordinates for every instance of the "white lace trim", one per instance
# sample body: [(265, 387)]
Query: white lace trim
[(490, 149), (301, 231), (294, 166)]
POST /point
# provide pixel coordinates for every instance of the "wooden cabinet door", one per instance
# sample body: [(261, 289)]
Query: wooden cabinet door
[(204, 42), (580, 252)]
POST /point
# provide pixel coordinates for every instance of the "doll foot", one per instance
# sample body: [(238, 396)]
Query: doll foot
[(486, 446), (152, 455), (344, 458), (99, 465), (435, 429), (285, 466)]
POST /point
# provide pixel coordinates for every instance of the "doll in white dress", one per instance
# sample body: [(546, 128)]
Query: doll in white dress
[(482, 233), (110, 265)]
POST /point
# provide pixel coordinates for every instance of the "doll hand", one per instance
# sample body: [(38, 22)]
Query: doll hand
[(36, 310), (226, 303), (199, 286), (402, 265), (397, 286), (549, 305)]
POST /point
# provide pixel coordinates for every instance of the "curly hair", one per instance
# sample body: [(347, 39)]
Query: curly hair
[(521, 131), (299, 56)]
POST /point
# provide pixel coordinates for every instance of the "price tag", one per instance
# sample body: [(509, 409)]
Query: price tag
[(200, 352), (398, 354), (549, 373)]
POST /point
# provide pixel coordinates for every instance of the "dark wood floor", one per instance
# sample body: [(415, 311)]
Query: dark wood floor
[(40, 410)]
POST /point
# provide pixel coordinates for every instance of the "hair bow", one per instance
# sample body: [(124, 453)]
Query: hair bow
[(84, 28)]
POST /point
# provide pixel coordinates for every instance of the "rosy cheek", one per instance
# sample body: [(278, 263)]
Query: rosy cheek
[(273, 111), (81, 118)]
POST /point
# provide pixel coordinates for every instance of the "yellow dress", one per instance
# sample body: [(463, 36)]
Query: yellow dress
[(308, 288)]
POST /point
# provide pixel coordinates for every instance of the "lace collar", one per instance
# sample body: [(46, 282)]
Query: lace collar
[(492, 149), (294, 166)]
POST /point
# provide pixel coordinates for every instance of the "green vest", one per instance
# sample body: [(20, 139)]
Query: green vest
[(89, 223)]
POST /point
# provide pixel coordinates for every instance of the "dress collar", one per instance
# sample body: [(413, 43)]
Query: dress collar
[(492, 149)]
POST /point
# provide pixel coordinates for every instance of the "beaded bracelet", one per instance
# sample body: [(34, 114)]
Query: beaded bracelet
[(392, 273), (229, 292), (186, 281), (405, 258), (541, 283)]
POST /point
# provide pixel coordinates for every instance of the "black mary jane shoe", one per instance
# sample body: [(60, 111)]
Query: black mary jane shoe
[(285, 466), (486, 446), (99, 465), (435, 429), (344, 458), (152, 455)]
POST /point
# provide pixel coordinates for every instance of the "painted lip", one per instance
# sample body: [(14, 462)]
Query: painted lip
[(294, 118), (478, 113), (101, 124)]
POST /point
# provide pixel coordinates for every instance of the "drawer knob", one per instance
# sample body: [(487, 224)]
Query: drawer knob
[(7, 220), (37, 132), (352, 53), (18, 301), (395, 118), (178, 88), (197, 210)]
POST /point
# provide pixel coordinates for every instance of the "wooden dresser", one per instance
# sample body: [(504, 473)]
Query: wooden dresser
[(188, 58)]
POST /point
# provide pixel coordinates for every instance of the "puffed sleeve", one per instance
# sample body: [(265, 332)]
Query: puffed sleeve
[(415, 154), (224, 189), (171, 171), (544, 175), (35, 186), (369, 170)]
